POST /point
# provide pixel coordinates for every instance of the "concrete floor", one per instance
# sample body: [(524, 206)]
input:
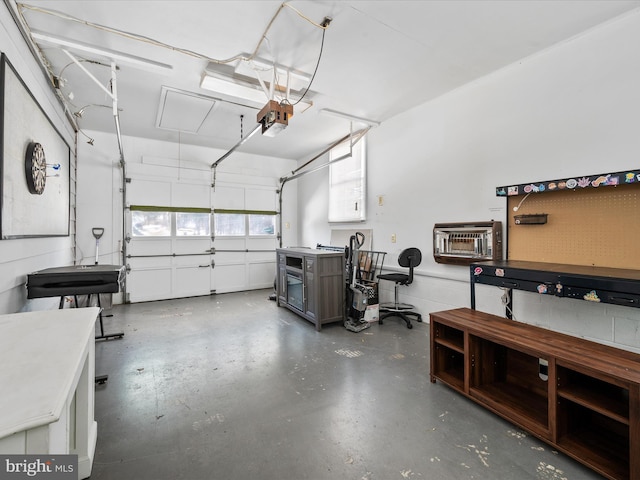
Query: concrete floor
[(232, 387)]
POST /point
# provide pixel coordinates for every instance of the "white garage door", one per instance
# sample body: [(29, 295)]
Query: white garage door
[(179, 245)]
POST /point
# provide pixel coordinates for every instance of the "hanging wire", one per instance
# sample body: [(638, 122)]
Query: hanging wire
[(316, 69), (241, 133), (81, 60), (23, 6), (142, 38), (81, 111), (515, 209), (158, 43), (90, 141)]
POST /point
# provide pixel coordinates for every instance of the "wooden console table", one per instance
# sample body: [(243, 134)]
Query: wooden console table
[(47, 378), (581, 397), (311, 283)]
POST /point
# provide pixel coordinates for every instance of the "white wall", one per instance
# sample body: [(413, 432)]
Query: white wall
[(569, 111), (99, 202), (21, 256)]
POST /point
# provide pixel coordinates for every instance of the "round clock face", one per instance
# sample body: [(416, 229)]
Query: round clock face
[(35, 168)]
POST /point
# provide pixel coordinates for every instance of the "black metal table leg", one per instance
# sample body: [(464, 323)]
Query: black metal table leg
[(102, 335)]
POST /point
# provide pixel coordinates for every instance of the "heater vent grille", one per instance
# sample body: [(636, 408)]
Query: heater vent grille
[(462, 243)]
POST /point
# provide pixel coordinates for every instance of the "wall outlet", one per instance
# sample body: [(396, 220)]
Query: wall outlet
[(393, 238)]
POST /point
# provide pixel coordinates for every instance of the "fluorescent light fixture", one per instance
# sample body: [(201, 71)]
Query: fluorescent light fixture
[(123, 58), (296, 79), (351, 118), (243, 90), (233, 89)]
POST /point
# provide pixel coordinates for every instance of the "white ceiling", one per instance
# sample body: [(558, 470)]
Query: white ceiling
[(379, 58)]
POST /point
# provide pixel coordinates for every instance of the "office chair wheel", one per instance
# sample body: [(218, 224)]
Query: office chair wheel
[(419, 318), (409, 325)]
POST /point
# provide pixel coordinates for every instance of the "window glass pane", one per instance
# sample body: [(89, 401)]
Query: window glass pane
[(229, 224), (347, 184), (150, 224), (192, 224), (262, 224)]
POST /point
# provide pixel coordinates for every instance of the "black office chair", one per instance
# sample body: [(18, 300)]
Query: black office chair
[(410, 257)]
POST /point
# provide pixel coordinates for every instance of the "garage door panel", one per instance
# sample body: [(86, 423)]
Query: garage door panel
[(190, 195), (262, 243), (192, 245), (192, 280), (260, 199), (152, 284), (149, 263), (230, 258), (231, 278), (231, 198), (192, 261), (261, 275), (266, 256), (149, 192), (230, 243), (149, 246)]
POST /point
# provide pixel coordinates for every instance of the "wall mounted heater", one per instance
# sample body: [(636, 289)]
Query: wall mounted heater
[(463, 243)]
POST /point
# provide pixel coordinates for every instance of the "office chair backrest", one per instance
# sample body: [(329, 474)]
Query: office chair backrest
[(410, 257)]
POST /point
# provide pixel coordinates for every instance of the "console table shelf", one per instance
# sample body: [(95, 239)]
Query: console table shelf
[(581, 397)]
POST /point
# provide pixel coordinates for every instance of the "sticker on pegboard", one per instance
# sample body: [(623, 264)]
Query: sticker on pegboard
[(542, 288), (477, 271), (499, 272), (592, 296)]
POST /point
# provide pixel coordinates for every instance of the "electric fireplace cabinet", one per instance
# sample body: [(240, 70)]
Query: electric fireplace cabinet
[(311, 283), (581, 397)]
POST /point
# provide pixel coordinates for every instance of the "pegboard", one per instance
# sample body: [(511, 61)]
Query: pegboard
[(592, 227)]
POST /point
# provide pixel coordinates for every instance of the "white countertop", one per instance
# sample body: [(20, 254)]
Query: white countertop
[(41, 358)]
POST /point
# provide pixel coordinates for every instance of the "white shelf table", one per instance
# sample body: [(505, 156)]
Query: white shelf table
[(47, 369)]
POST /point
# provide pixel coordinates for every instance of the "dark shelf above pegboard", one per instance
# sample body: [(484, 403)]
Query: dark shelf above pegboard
[(573, 183)]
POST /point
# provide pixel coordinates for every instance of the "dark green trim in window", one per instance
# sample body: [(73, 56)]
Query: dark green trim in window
[(151, 208), (245, 212)]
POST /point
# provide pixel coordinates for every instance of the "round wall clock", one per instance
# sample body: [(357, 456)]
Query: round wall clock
[(35, 168)]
